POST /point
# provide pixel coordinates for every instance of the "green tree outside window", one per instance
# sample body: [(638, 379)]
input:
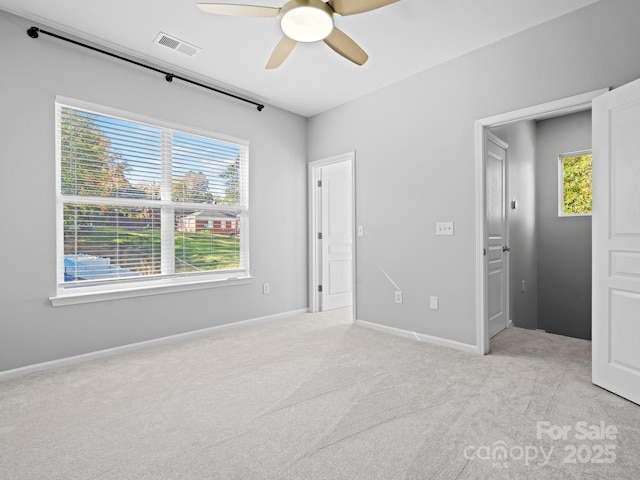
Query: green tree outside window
[(576, 184)]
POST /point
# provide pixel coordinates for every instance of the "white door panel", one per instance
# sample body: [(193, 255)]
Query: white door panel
[(340, 275), (625, 329), (616, 241), (337, 237), (495, 175)]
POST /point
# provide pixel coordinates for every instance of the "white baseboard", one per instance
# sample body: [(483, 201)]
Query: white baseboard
[(443, 342), (109, 352)]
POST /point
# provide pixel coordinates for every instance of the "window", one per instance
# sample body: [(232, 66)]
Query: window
[(137, 200), (575, 184)]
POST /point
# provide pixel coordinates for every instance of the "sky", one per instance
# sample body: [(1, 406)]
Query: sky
[(141, 147)]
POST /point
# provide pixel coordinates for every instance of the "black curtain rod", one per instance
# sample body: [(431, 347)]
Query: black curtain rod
[(34, 31)]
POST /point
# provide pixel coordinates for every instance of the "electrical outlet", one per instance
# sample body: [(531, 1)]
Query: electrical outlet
[(265, 289), (433, 303), (398, 296), (444, 228)]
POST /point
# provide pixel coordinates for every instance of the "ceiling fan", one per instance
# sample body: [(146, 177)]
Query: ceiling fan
[(306, 21)]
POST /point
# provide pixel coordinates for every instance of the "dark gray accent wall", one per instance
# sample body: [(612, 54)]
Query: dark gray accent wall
[(564, 243), (523, 258)]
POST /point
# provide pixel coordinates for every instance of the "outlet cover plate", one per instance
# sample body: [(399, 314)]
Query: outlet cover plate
[(433, 303)]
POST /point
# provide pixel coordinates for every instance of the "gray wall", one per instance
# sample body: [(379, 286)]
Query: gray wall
[(33, 73), (564, 243), (415, 156), (521, 186), (415, 166)]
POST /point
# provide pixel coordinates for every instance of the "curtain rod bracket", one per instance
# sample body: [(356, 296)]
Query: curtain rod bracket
[(34, 32)]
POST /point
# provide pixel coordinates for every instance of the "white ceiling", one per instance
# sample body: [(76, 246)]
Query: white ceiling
[(401, 39)]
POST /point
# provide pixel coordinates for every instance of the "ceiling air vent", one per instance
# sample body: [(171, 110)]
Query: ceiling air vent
[(176, 44)]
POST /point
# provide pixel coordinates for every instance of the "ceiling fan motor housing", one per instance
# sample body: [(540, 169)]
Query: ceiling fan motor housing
[(306, 20)]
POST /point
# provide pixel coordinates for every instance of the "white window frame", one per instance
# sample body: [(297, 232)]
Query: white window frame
[(154, 286), (561, 158)]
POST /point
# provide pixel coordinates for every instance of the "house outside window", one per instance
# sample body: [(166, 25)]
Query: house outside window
[(575, 186), (135, 197)]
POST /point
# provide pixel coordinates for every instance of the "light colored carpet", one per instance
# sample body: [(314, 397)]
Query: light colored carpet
[(312, 397)]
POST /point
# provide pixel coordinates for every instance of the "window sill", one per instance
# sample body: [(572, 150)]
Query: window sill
[(141, 290)]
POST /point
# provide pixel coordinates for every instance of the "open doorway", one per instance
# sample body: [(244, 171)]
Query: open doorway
[(332, 233), (557, 108), (549, 229)]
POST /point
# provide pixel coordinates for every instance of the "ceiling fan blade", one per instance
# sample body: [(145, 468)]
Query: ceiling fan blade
[(351, 7), (239, 10), (281, 52), (345, 46)]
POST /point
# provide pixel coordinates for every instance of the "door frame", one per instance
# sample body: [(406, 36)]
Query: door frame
[(314, 209), (564, 106)]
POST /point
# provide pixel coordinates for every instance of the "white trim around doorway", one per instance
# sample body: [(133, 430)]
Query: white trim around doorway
[(314, 168), (555, 108)]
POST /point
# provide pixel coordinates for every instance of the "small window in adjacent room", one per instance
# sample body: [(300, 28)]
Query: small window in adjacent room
[(575, 184), (137, 199)]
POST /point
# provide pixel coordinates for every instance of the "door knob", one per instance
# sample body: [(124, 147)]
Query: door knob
[(505, 248)]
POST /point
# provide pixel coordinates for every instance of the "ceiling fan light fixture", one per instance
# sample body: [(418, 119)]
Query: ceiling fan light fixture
[(306, 20)]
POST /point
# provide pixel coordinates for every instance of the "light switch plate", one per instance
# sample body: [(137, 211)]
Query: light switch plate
[(444, 228)]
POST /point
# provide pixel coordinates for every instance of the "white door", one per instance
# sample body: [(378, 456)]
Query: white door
[(337, 235), (496, 252), (616, 241)]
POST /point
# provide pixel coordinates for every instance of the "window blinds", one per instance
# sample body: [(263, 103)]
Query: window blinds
[(138, 201)]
